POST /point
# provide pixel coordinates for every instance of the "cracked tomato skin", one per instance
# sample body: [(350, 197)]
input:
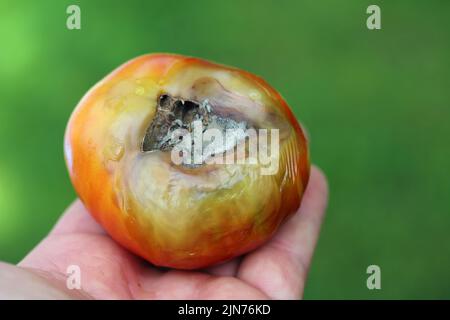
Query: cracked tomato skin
[(177, 217)]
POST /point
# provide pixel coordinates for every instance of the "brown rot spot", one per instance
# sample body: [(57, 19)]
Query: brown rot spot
[(173, 114), (177, 117)]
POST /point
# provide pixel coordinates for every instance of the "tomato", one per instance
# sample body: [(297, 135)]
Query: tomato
[(138, 179)]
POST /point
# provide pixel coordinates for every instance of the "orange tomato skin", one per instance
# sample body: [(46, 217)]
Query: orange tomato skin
[(102, 184)]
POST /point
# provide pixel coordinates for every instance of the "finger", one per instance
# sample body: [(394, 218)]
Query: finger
[(26, 284), (299, 235), (76, 219), (227, 269), (279, 268)]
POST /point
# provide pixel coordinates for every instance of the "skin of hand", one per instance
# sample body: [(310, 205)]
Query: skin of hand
[(277, 270)]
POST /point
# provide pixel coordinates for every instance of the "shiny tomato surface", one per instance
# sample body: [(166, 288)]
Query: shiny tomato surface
[(119, 148)]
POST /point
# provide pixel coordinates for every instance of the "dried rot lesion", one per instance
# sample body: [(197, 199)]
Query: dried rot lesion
[(175, 113), (210, 106)]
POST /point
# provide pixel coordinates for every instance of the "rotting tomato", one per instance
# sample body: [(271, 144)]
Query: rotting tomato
[(119, 149)]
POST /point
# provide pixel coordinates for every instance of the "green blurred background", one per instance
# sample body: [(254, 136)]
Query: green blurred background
[(375, 103)]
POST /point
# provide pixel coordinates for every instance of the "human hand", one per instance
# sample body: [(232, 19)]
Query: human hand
[(277, 270)]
